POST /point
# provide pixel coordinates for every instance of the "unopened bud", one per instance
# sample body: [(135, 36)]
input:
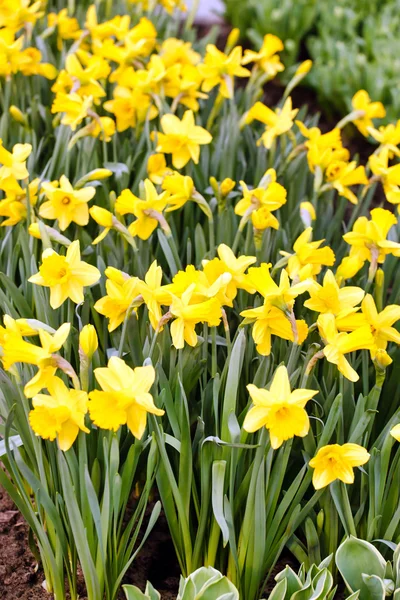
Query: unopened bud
[(232, 39), (307, 213), (88, 340), (102, 216), (17, 115)]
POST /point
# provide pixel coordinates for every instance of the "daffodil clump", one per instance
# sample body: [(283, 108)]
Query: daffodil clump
[(200, 296)]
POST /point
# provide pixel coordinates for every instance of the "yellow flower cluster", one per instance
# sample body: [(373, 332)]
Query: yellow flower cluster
[(117, 76)]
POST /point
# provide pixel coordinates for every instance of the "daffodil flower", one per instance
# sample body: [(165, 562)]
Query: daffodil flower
[(338, 344), (279, 409), (125, 397), (66, 276), (148, 212), (13, 164), (122, 291), (337, 462), (308, 258), (220, 69), (187, 316), (361, 102), (66, 204), (276, 122), (182, 138), (61, 414), (267, 58), (329, 298)]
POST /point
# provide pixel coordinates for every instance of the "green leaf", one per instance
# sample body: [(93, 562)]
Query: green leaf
[(355, 558), (218, 483)]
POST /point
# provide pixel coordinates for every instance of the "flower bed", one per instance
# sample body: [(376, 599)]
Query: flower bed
[(200, 297)]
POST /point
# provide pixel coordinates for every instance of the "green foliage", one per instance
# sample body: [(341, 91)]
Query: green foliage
[(354, 44), (205, 583), (289, 20), (355, 47), (364, 569), (316, 584)]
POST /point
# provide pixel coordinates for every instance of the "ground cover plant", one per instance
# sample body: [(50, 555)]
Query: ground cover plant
[(200, 296), (351, 43)]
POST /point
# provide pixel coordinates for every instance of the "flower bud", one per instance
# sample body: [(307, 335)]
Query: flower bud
[(380, 278), (102, 216), (395, 432), (320, 521), (17, 115), (34, 230), (95, 175), (382, 359), (304, 68), (307, 213), (227, 186), (232, 39), (88, 340), (98, 174)]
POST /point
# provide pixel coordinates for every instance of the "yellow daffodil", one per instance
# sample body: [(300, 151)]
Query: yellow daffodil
[(125, 397), (380, 323), (16, 349), (338, 344), (30, 63), (122, 291), (66, 204), (388, 176), (329, 298), (371, 110), (181, 190), (308, 258), (323, 148), (130, 106), (279, 409), (74, 107), (13, 164), (20, 13), (102, 128), (220, 69), (154, 294), (281, 296), (236, 267), (182, 139), (206, 284), (267, 58), (388, 138), (276, 122), (148, 212), (66, 276), (175, 51), (351, 264), (368, 237), (85, 79), (260, 202), (187, 316), (15, 205), (268, 321), (61, 414), (342, 175), (157, 168), (67, 27), (337, 462)]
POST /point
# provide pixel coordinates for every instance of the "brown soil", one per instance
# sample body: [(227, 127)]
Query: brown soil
[(21, 578)]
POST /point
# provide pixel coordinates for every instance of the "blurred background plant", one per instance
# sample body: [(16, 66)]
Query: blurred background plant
[(353, 44)]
